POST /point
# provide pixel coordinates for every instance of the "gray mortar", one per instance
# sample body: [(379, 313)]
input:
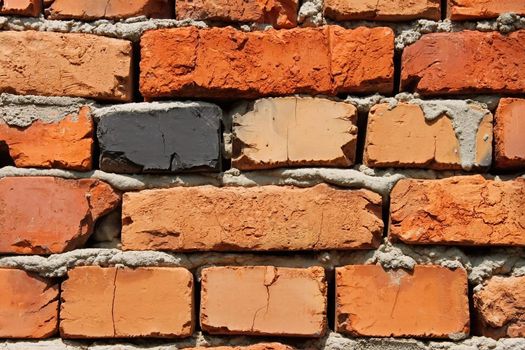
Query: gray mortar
[(332, 341), (311, 13), (146, 107), (22, 111)]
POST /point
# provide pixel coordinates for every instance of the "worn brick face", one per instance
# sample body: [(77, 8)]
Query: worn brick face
[(226, 63), (28, 305), (60, 218), (509, 132), (499, 307), (280, 132), (465, 62), (261, 218), (72, 65), (110, 9), (30, 8), (462, 210), (122, 303), (264, 300), (280, 13), (430, 302), (402, 137), (479, 9), (65, 144), (381, 10)]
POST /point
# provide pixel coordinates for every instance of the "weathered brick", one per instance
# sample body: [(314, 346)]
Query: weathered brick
[(261, 346), (226, 63), (66, 142), (256, 219), (463, 210), (280, 13), (479, 9), (498, 307), (465, 62), (28, 306), (404, 136), (382, 10), (109, 9), (43, 215), (30, 8), (154, 137), (279, 132), (264, 300), (429, 302), (509, 132), (80, 65), (122, 303)]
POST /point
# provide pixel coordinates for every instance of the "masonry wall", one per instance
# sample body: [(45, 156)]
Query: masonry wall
[(262, 175)]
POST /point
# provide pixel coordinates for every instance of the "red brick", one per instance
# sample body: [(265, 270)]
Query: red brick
[(402, 137), (263, 218), (65, 144), (30, 8), (28, 306), (43, 215), (479, 9), (499, 307), (462, 210), (429, 302), (80, 65), (382, 10), (280, 13), (122, 303), (509, 132), (278, 132), (264, 300), (226, 63), (110, 9), (465, 62)]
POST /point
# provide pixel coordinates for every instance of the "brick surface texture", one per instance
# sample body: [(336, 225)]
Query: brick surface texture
[(262, 174)]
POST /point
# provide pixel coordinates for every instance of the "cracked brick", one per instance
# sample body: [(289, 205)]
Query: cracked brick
[(118, 302), (208, 218), (461, 210), (382, 10), (264, 300), (428, 302)]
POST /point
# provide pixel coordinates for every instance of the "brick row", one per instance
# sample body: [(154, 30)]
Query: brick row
[(268, 133), (279, 13), (462, 210), (258, 300)]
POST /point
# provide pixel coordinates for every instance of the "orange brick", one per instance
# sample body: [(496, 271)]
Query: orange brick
[(280, 13), (227, 63), (66, 143), (382, 10), (430, 302), (44, 215), (462, 210), (28, 306), (264, 300), (402, 137), (465, 62), (30, 8), (122, 303), (509, 132), (81, 65), (499, 307), (110, 9), (479, 9), (251, 219)]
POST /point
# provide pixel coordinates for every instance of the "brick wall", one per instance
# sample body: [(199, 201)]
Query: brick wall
[(262, 175)]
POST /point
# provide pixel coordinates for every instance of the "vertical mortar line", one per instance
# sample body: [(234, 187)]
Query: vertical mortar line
[(330, 298), (362, 125), (113, 302), (385, 211), (444, 9), (197, 286), (397, 71), (135, 72)]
